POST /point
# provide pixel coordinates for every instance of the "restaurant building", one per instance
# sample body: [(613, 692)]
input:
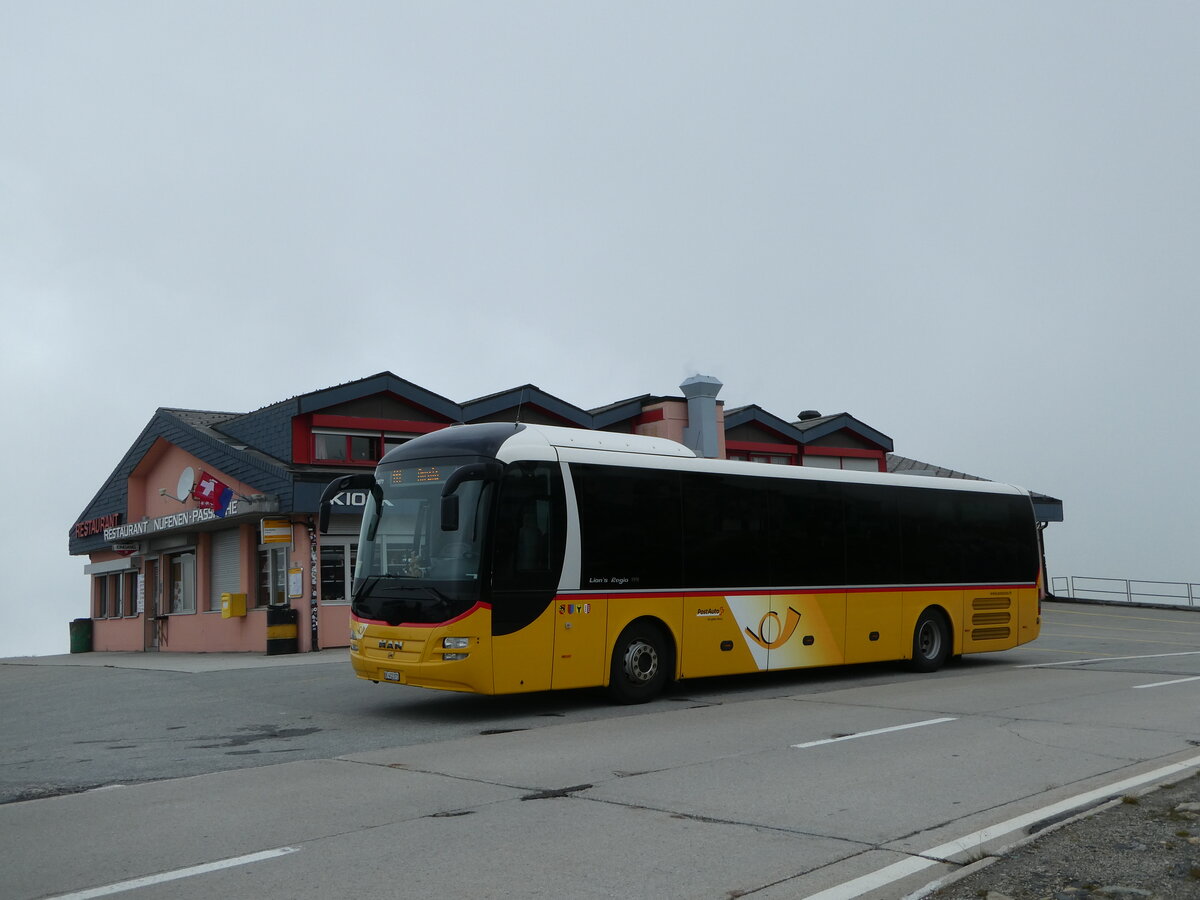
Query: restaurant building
[(204, 537)]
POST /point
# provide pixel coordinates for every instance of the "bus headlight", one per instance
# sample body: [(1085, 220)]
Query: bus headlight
[(456, 643)]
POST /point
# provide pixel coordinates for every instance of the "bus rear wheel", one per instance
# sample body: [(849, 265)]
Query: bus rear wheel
[(931, 642), (639, 663)]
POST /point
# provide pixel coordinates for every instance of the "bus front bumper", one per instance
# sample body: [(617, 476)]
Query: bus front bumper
[(422, 658)]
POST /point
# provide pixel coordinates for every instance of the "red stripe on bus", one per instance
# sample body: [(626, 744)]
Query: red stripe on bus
[(741, 592)]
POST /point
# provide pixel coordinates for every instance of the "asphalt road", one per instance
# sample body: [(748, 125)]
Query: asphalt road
[(780, 785), (103, 719)]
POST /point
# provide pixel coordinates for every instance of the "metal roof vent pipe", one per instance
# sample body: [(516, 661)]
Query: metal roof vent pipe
[(700, 435)]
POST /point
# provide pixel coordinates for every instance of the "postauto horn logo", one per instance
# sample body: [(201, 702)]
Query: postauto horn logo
[(770, 635)]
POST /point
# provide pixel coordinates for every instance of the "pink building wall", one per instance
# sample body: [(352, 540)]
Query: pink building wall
[(152, 493), (674, 420)]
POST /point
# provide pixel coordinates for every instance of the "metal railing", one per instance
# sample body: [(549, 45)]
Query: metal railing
[(1126, 590)]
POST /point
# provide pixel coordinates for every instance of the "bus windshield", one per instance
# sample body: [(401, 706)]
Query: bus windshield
[(409, 567)]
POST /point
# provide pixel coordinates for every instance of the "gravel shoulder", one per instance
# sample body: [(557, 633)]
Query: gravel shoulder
[(1140, 846)]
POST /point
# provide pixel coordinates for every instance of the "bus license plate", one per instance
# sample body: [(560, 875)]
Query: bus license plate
[(391, 676)]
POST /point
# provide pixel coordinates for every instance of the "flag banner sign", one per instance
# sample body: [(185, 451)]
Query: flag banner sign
[(210, 493)]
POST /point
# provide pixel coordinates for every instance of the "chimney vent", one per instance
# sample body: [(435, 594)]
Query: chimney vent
[(807, 414), (700, 435)]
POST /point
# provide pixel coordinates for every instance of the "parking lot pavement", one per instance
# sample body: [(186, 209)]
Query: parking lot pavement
[(1102, 694)]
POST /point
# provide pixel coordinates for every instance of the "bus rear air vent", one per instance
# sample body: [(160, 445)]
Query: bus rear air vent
[(990, 634), (991, 602), (991, 618)]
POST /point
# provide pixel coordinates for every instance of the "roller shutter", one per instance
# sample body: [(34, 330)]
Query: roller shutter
[(226, 570)]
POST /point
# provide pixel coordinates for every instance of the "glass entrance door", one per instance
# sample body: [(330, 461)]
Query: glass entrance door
[(151, 614)]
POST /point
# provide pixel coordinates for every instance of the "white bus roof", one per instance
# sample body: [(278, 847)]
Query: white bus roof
[(547, 442), (584, 439)]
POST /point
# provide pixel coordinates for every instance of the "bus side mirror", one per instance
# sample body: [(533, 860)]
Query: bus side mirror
[(450, 513), (357, 482), (488, 471), (377, 494)]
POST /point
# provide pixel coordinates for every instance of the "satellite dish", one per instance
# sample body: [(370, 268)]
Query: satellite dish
[(187, 479)]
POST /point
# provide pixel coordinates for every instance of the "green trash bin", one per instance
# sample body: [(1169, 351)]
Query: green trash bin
[(81, 636)]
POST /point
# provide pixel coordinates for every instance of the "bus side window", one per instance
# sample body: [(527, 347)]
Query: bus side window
[(529, 532), (532, 540), (872, 517), (630, 524), (810, 534)]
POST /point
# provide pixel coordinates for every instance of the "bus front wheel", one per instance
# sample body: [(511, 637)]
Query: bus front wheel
[(931, 642), (639, 663)]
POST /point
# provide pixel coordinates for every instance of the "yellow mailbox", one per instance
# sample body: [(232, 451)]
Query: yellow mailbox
[(233, 605)]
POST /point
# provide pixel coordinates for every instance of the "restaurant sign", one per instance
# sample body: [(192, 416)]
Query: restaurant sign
[(97, 525), (183, 519)]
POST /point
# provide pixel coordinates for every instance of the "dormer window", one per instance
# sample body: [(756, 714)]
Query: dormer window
[(353, 447), (346, 447), (778, 459)]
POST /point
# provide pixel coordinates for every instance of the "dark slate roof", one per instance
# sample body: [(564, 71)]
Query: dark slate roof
[(526, 394), (755, 414), (621, 411), (640, 401), (807, 430), (192, 431), (364, 387), (202, 418), (814, 429), (254, 447), (270, 428), (902, 465), (377, 384)]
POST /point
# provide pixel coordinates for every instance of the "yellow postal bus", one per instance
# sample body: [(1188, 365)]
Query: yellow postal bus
[(502, 558)]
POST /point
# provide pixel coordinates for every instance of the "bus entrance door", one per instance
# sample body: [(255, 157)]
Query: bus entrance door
[(873, 626), (802, 630), (579, 642), (718, 635)]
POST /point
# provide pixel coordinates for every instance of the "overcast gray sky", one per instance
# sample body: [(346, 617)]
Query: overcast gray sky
[(971, 225)]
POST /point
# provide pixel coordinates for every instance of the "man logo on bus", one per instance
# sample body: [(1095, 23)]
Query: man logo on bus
[(770, 636)]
